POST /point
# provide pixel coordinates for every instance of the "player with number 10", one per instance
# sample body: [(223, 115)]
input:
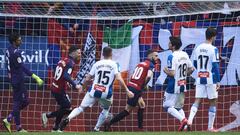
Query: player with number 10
[(138, 81)]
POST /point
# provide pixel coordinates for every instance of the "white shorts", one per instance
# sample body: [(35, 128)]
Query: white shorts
[(173, 100), (206, 91), (89, 101)]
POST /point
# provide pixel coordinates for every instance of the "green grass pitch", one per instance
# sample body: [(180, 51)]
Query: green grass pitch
[(123, 133)]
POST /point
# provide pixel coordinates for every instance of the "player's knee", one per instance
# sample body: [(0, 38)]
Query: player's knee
[(165, 108), (196, 104), (142, 106), (212, 102), (24, 104), (128, 109), (197, 101), (105, 112)]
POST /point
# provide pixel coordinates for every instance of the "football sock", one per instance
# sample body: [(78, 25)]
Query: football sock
[(140, 117), (60, 115), (10, 116), (17, 117), (193, 112), (119, 117), (175, 113), (75, 112), (102, 117), (211, 116), (182, 112), (18, 127)]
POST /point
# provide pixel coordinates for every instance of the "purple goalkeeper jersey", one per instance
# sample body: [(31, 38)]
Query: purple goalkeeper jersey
[(15, 66)]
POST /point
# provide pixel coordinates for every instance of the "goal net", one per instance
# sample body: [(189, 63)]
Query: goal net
[(130, 28)]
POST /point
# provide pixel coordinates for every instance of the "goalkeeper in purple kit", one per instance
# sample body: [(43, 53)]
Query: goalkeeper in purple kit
[(16, 73)]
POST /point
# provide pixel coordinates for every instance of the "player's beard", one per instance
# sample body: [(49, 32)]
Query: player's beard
[(77, 60)]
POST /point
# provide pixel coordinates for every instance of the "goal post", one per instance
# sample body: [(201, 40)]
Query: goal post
[(130, 28)]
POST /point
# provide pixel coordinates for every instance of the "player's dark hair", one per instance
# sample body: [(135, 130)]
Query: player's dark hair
[(13, 37), (176, 42), (107, 51), (73, 49), (210, 32), (149, 52)]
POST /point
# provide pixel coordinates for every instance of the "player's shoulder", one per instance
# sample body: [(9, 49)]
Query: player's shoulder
[(65, 61), (212, 48), (145, 64), (184, 54), (13, 50), (171, 56)]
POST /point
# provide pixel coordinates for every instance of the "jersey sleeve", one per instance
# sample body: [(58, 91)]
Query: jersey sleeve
[(92, 71), (171, 62), (194, 58), (17, 60), (67, 74), (215, 57), (189, 62)]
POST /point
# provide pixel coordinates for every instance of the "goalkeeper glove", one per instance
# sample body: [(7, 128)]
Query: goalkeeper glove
[(38, 80)]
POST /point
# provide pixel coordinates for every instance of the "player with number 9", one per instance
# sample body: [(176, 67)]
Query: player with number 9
[(61, 79)]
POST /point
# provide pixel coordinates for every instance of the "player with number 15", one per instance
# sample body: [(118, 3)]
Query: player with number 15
[(103, 74)]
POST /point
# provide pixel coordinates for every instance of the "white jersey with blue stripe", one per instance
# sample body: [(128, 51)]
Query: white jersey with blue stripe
[(104, 72), (179, 62), (204, 56)]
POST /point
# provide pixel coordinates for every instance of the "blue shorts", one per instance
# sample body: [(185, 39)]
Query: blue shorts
[(137, 94), (62, 100)]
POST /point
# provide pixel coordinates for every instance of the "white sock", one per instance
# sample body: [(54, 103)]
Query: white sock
[(193, 112), (101, 119), (175, 113), (211, 116), (75, 112), (182, 112)]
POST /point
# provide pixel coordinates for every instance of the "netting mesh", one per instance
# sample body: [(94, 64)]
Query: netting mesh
[(112, 10), (48, 29)]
